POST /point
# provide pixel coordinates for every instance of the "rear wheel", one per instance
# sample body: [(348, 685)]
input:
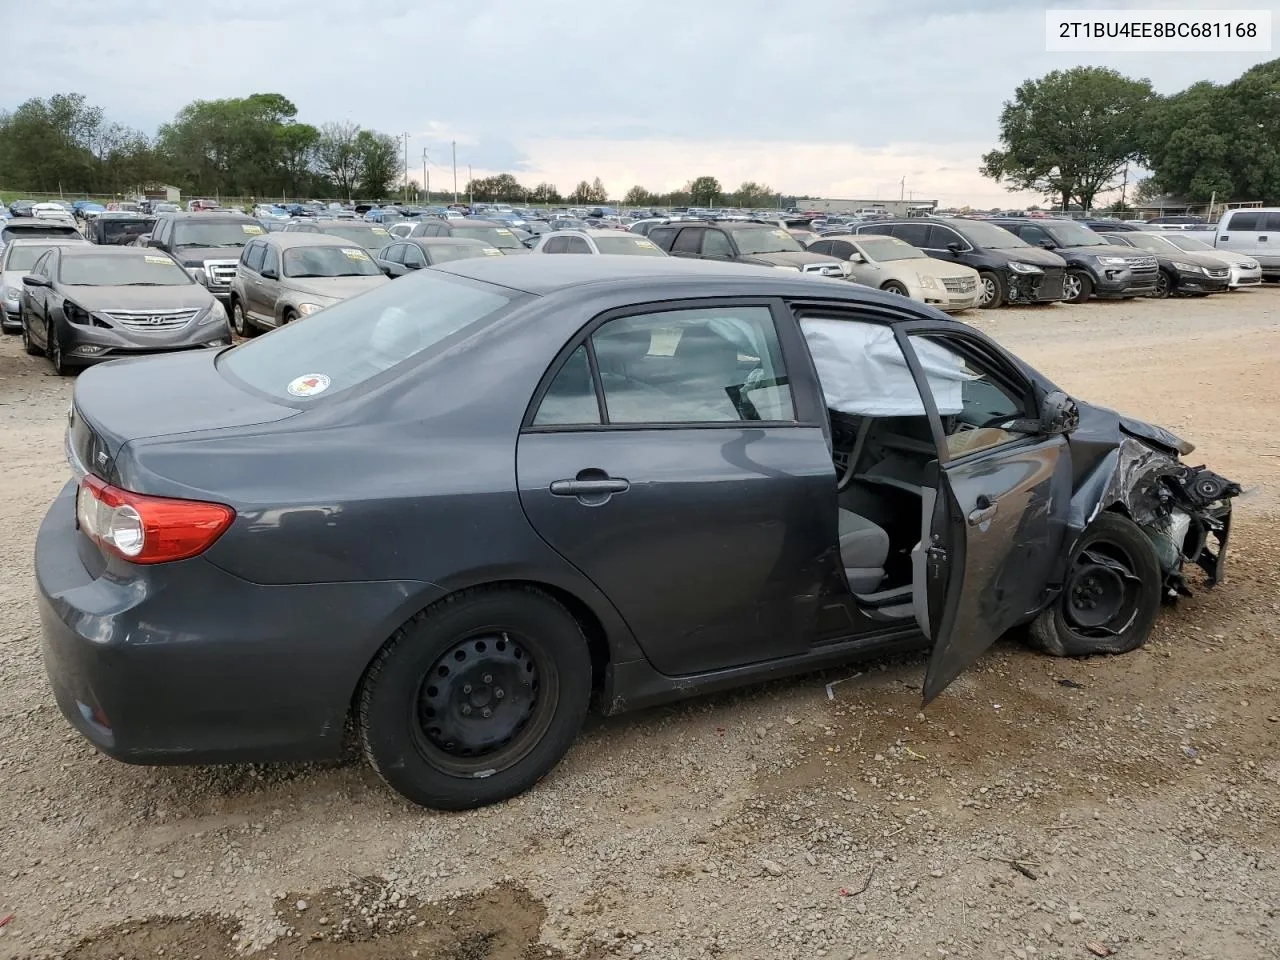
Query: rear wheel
[(1110, 596), (31, 349), (990, 291), (239, 322), (1077, 287), (893, 286), (475, 699)]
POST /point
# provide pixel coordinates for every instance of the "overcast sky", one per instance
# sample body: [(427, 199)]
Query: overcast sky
[(835, 100)]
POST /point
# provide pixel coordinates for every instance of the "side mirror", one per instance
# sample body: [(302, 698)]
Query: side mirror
[(31, 280), (1048, 244), (269, 273), (1058, 414), (144, 240), (955, 247), (856, 257)]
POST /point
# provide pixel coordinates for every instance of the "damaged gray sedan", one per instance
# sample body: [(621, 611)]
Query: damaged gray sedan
[(458, 508)]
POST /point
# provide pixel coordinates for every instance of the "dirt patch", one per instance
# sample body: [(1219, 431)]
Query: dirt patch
[(367, 919)]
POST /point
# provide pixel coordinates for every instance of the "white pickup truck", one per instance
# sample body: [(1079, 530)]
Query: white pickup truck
[(1253, 232)]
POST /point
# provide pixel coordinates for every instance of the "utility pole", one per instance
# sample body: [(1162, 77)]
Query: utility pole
[(455, 171), (406, 166), (426, 176), (1124, 185), (471, 195)]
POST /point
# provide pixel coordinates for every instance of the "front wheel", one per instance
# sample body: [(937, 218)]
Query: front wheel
[(1077, 287), (475, 699), (990, 291), (1164, 286), (1110, 596), (893, 286), (53, 349)]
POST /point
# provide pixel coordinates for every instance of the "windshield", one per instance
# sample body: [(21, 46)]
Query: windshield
[(1068, 234), (214, 233), (329, 262), (1150, 242), (23, 257), (1191, 243), (354, 340), (888, 249), (130, 270), (629, 244), (766, 240), (988, 235), (371, 238), (497, 236)]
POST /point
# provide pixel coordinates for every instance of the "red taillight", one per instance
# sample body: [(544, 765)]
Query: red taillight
[(145, 529)]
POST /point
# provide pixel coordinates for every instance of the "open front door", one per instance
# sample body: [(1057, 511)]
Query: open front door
[(990, 539)]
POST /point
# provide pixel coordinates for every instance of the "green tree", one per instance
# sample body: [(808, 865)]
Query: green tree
[(377, 163), (704, 191), (336, 156), (229, 146), (545, 193), (640, 197), (581, 193), (1069, 133), (1222, 140), (47, 144), (752, 194), (296, 145)]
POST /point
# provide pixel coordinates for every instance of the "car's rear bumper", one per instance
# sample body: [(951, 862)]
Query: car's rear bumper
[(186, 663)]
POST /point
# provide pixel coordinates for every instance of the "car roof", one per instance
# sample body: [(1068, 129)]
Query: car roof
[(46, 241), (334, 222), (208, 215), (545, 275), (442, 241), (108, 250), (30, 223), (303, 238)]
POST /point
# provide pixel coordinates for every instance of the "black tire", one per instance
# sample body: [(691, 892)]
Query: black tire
[(414, 731), (31, 349), (1165, 285), (240, 323), (1071, 627), (1077, 286), (287, 317), (53, 350), (893, 286), (992, 290)]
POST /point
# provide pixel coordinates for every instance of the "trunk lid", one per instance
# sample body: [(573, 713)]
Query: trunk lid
[(178, 393)]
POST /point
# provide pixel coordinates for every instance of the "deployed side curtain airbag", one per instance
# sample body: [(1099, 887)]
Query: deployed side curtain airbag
[(863, 371)]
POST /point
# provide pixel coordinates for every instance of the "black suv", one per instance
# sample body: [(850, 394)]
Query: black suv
[(1094, 267), (743, 241), (1011, 270), (207, 244)]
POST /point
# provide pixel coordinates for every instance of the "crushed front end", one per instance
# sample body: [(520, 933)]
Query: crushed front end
[(1184, 510)]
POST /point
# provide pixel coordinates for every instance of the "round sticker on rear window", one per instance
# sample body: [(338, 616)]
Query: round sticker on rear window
[(309, 384)]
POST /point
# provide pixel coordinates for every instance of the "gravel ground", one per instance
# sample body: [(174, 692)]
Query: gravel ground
[(1039, 808)]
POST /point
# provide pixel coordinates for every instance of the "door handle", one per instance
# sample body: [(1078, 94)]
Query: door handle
[(588, 488), (1224, 237), (1262, 239), (984, 510)]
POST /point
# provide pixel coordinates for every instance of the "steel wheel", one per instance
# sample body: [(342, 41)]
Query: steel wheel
[(1110, 596), (483, 703)]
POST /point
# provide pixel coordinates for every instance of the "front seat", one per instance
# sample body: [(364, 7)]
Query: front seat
[(863, 549)]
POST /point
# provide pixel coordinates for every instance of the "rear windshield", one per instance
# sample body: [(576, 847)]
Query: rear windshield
[(638, 246), (354, 340), (329, 262), (23, 257), (113, 229), (47, 228), (371, 238), (214, 233), (140, 270), (497, 236)]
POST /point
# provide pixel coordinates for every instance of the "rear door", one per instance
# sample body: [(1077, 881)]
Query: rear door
[(999, 518), (667, 458)]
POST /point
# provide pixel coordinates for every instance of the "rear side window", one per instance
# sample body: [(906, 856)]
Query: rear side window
[(876, 228), (1271, 222), (716, 244), (916, 234), (1245, 221), (555, 245), (350, 342), (571, 398), (662, 236), (575, 245), (689, 241)]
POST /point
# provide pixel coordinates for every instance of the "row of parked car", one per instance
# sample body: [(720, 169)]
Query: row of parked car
[(244, 274)]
